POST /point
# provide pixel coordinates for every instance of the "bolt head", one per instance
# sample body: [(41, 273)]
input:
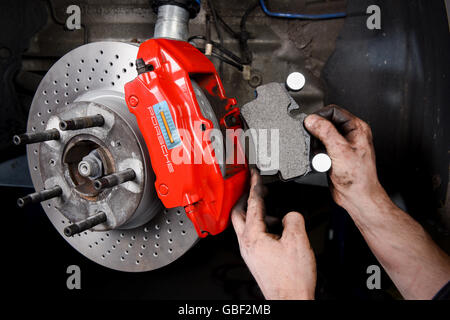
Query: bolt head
[(133, 101), (163, 189)]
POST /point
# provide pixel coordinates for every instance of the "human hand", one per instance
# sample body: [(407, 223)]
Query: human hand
[(284, 267), (348, 141)]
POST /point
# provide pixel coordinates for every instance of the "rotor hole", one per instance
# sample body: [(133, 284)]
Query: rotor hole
[(126, 252), (143, 246), (92, 69), (113, 246), (122, 258), (66, 84), (55, 81), (170, 250), (108, 252), (170, 240), (155, 254), (68, 65), (137, 261), (118, 76), (181, 222), (157, 226), (57, 101), (35, 151), (112, 83), (89, 78), (141, 254), (118, 241), (133, 238), (96, 60), (169, 230), (111, 64), (82, 60), (77, 80), (39, 114), (131, 64), (101, 79), (55, 92), (145, 229), (66, 94), (46, 101), (103, 256), (183, 232), (124, 70), (79, 70), (122, 235), (178, 212), (44, 92), (168, 221), (33, 128), (90, 246), (49, 110), (106, 71), (116, 56), (66, 75), (145, 238), (96, 243), (130, 245), (101, 51), (76, 89), (86, 88), (35, 168), (156, 245), (42, 122), (157, 236)]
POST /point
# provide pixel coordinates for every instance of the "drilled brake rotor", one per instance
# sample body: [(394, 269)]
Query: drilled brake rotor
[(95, 75)]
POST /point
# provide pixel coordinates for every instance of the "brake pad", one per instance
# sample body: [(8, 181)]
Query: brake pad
[(280, 142)]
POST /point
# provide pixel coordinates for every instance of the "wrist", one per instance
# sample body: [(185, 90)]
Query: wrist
[(369, 209)]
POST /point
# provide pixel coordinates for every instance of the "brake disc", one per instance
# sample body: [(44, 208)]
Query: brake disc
[(141, 235)]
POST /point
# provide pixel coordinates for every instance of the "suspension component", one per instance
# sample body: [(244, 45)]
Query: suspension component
[(33, 137), (114, 179), (85, 224), (82, 122), (39, 196)]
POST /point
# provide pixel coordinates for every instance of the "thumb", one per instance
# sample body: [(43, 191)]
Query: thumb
[(326, 132), (294, 226)]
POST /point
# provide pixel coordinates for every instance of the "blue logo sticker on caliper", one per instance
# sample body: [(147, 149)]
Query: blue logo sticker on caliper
[(168, 128)]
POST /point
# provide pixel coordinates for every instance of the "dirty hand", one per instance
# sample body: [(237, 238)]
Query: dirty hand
[(348, 141), (284, 267)]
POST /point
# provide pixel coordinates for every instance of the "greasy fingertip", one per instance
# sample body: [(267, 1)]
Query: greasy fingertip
[(311, 120)]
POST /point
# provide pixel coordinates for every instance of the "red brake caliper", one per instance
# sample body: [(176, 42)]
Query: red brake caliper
[(163, 100)]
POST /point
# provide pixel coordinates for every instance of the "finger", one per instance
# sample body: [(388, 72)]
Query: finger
[(294, 226), (255, 206), (345, 122), (238, 215), (326, 132)]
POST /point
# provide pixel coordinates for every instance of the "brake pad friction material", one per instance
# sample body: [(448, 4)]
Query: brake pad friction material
[(273, 110)]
